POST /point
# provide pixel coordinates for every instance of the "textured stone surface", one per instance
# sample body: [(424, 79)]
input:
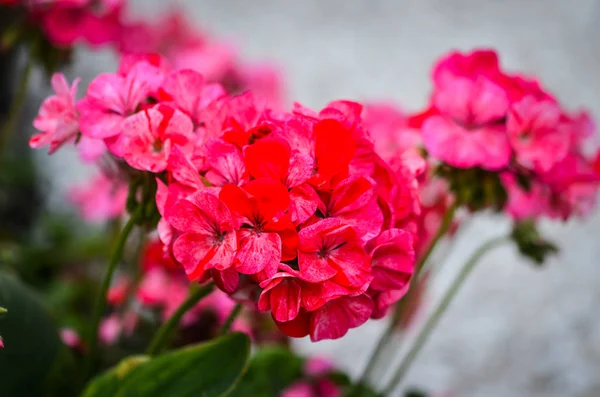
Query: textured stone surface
[(514, 330)]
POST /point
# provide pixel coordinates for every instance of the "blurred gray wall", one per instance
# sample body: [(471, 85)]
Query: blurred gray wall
[(514, 330)]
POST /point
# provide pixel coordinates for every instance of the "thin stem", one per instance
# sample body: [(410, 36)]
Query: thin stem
[(230, 319), (15, 107), (163, 335), (439, 311), (101, 298), (386, 336)]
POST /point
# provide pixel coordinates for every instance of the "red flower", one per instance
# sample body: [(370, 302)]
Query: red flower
[(259, 211)]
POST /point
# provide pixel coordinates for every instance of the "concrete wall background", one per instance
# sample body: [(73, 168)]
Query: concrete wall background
[(514, 330)]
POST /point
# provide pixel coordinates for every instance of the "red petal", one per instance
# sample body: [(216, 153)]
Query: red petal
[(236, 199), (268, 158), (227, 280), (257, 251), (298, 327), (271, 197), (334, 149), (333, 320)]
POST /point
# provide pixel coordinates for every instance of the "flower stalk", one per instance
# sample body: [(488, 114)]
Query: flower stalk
[(386, 336), (164, 333), (101, 298), (439, 311)]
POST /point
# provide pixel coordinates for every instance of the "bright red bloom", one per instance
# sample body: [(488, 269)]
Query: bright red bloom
[(259, 210), (208, 239)]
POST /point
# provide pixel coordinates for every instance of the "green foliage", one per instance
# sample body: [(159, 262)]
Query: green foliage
[(475, 188), (208, 369), (272, 369), (33, 349), (530, 243)]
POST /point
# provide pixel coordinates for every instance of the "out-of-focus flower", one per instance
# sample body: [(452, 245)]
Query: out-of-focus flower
[(103, 198), (57, 119)]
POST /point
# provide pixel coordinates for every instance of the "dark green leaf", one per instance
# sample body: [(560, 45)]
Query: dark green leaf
[(108, 383), (208, 370), (271, 370), (31, 340), (530, 243)]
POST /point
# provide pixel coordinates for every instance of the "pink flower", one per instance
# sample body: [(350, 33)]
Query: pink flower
[(389, 129), (111, 98), (57, 119), (468, 129), (1, 343), (299, 389), (208, 239), (150, 135), (536, 133), (318, 366), (523, 204), (71, 338), (189, 93), (102, 199), (110, 330)]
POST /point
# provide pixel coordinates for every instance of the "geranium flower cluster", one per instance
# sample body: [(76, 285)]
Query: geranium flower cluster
[(187, 47), (482, 117), (67, 22), (295, 210)]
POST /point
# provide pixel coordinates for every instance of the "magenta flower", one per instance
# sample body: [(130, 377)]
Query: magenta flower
[(111, 98), (468, 128), (207, 237), (537, 134)]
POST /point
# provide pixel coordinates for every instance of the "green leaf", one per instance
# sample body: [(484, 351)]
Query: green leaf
[(108, 383), (31, 340), (272, 369), (361, 390), (206, 370), (530, 243)]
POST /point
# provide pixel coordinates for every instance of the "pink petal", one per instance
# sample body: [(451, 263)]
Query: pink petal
[(257, 251), (303, 203)]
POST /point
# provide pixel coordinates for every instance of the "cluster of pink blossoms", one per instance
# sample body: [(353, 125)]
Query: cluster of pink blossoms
[(480, 116), (67, 22), (293, 210)]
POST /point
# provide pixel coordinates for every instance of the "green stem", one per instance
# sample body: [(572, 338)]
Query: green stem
[(101, 298), (16, 106), (386, 336), (163, 335), (439, 311), (230, 319)]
